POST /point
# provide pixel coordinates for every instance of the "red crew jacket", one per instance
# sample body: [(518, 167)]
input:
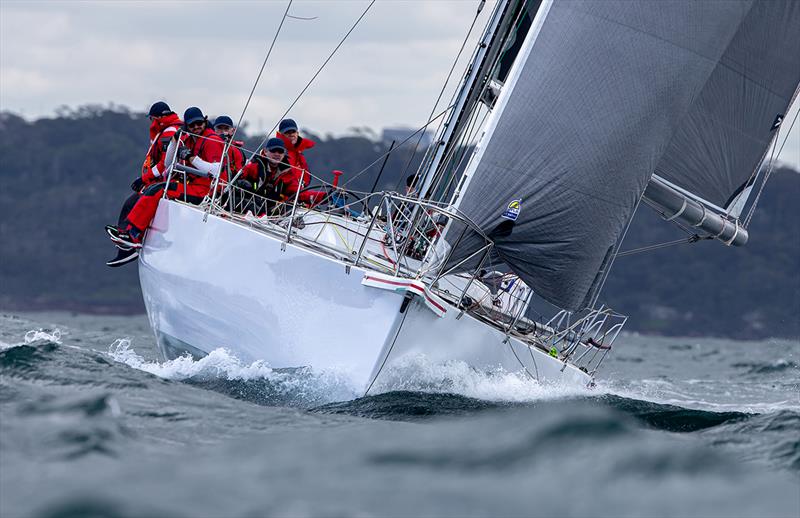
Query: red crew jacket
[(162, 130), (297, 160), (209, 148), (235, 159)]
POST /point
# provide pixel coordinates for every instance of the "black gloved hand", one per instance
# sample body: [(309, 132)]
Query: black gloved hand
[(243, 184), (137, 184), (184, 153)]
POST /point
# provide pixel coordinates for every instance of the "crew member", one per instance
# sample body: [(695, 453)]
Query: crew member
[(269, 173), (295, 145), (164, 123), (200, 148), (223, 126)]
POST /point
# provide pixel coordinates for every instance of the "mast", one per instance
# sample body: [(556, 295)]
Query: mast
[(500, 103), (472, 91)]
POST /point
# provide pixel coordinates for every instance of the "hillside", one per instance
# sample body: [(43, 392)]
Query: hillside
[(64, 178)]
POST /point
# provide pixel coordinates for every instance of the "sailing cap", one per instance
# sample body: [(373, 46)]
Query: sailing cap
[(159, 109), (275, 143), (223, 119), (193, 114), (287, 125)]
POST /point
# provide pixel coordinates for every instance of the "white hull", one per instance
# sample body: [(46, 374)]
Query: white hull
[(223, 284)]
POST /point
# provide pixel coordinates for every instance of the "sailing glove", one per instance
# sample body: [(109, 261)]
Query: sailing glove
[(137, 184), (184, 153)]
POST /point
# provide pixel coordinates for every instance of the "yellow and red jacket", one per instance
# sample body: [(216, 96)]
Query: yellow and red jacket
[(162, 130)]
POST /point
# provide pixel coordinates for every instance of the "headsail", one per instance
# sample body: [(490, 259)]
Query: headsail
[(588, 111), (717, 148)]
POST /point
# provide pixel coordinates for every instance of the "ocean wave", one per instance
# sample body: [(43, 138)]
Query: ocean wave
[(256, 382), (766, 437), (775, 366), (218, 363), (671, 418), (35, 337), (416, 373)]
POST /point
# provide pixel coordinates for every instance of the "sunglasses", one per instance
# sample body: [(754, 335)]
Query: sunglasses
[(277, 150), (195, 124)]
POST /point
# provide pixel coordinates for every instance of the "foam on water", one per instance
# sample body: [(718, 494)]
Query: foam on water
[(33, 336), (412, 373), (418, 373), (218, 363), (268, 385)]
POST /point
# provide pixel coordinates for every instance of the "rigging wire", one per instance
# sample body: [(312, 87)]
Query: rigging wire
[(472, 130), (616, 251), (225, 161), (771, 165), (444, 88), (422, 128), (260, 72), (314, 77), (686, 240), (693, 237), (306, 18)]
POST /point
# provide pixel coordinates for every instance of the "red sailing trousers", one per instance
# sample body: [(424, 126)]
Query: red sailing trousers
[(143, 212)]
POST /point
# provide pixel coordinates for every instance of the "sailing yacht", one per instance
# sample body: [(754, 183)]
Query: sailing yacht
[(578, 112)]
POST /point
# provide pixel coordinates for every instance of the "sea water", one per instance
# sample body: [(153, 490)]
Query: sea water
[(93, 423)]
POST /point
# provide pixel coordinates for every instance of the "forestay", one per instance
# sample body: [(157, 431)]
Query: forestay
[(589, 110)]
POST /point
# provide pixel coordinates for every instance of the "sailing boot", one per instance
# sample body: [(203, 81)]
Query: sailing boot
[(125, 239), (123, 257)]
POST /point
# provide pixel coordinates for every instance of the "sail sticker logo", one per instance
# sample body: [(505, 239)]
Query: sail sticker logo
[(512, 211), (777, 123)]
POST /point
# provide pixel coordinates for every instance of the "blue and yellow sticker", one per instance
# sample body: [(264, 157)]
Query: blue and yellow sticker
[(512, 211)]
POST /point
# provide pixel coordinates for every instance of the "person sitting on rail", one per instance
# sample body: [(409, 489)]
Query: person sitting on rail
[(199, 148), (223, 126), (268, 174), (164, 123), (295, 145)]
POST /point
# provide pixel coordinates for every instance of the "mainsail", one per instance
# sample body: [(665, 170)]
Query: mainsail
[(593, 105)]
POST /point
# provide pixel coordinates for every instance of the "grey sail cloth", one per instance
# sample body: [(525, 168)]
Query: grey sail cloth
[(728, 128), (596, 102)]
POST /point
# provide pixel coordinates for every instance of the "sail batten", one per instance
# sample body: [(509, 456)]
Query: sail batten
[(590, 111)]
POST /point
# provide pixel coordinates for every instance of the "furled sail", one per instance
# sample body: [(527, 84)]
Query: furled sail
[(717, 147), (589, 110)]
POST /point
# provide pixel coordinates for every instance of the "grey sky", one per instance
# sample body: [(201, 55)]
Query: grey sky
[(388, 73)]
